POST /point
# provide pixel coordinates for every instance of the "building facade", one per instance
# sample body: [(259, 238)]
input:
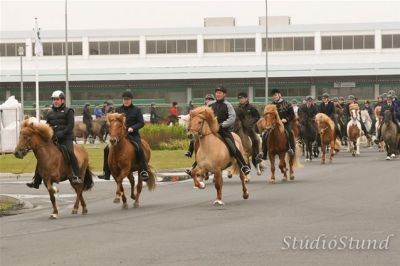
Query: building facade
[(165, 65)]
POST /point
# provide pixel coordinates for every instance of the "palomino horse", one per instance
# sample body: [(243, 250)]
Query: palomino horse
[(122, 160), (51, 164), (378, 124), (327, 133), (277, 143), (354, 129), (390, 135), (212, 154)]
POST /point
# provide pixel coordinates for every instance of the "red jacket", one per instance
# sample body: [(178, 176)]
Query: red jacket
[(173, 111)]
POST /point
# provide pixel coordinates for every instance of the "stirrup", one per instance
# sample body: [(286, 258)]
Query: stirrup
[(76, 179), (188, 172), (245, 169), (144, 175), (188, 154), (290, 152)]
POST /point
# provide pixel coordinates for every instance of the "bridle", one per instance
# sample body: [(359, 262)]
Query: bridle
[(200, 130), (273, 124)]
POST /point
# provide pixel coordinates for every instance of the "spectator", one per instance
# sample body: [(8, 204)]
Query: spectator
[(154, 116)]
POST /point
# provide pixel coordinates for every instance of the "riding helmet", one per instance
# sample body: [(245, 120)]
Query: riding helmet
[(221, 88), (58, 94), (242, 95), (127, 94), (209, 96), (325, 95)]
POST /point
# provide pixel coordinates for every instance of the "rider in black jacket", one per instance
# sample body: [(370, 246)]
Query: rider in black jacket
[(133, 122), (61, 119), (286, 114)]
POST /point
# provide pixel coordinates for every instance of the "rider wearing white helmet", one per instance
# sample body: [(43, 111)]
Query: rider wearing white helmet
[(61, 119)]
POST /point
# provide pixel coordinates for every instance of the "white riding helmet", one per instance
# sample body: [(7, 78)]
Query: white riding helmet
[(58, 94)]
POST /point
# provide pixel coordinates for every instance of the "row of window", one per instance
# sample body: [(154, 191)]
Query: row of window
[(289, 44), (114, 48), (210, 45), (348, 42)]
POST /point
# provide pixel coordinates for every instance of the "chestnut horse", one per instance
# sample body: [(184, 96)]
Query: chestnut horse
[(354, 129), (122, 160), (277, 143), (51, 164), (212, 154), (327, 133)]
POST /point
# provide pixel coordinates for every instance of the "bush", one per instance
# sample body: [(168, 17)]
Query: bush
[(165, 137)]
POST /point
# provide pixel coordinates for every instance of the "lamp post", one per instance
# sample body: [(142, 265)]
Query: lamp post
[(266, 51), (67, 92), (21, 54)]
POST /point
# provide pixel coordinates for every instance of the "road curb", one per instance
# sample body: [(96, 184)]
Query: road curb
[(17, 205)]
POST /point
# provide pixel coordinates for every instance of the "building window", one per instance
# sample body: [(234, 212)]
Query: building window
[(58, 48), (348, 42), (113, 48), (390, 41), (229, 45), (289, 44), (11, 49), (171, 46)]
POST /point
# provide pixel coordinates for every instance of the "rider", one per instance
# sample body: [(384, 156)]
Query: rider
[(61, 119), (286, 114), (350, 100), (208, 99), (87, 117), (255, 116), (395, 110), (226, 116), (308, 109), (133, 122)]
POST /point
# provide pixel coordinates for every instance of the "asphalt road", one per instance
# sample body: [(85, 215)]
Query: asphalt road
[(355, 198)]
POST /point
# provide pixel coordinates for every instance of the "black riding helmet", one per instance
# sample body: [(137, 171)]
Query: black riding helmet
[(127, 94)]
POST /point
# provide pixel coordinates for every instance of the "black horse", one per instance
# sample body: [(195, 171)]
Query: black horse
[(308, 133)]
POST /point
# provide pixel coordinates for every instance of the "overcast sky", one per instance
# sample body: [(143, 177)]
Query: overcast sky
[(94, 14)]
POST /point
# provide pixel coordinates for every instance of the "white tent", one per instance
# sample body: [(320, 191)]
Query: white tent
[(10, 116)]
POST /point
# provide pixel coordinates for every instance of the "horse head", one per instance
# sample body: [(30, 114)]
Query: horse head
[(271, 118), (30, 136), (203, 121), (354, 109), (324, 123), (116, 127)]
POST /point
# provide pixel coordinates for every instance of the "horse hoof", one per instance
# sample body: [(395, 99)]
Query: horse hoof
[(84, 211), (136, 205), (53, 216), (229, 175), (246, 195), (133, 197), (388, 158), (116, 200), (322, 162), (392, 155), (202, 185), (55, 189), (125, 205), (218, 203), (284, 180), (74, 211), (272, 181), (292, 178)]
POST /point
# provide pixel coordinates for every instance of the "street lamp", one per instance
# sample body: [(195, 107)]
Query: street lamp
[(21, 54)]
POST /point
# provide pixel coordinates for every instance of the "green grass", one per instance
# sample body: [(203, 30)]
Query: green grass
[(160, 160)]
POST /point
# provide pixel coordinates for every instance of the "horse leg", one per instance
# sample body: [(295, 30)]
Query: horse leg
[(132, 181), (52, 191), (218, 186), (282, 166), (83, 203), (124, 203), (332, 150), (117, 198), (323, 149), (244, 187), (138, 191), (358, 146), (272, 160), (77, 199)]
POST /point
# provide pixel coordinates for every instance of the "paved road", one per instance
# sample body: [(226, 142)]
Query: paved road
[(177, 225)]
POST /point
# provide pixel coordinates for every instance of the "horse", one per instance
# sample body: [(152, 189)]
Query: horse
[(122, 160), (367, 121), (98, 124), (378, 124), (212, 154), (308, 131), (390, 135), (342, 120), (277, 143), (51, 164), (327, 133), (80, 131), (354, 129), (242, 127)]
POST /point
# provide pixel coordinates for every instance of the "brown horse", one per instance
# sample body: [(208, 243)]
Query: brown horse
[(354, 129), (51, 164), (122, 160), (378, 124), (81, 131), (277, 143), (390, 135), (212, 155), (327, 133)]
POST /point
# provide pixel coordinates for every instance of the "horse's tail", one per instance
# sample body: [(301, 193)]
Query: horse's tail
[(296, 159), (338, 145), (88, 179), (151, 182)]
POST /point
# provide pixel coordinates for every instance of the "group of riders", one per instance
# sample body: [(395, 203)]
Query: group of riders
[(61, 119)]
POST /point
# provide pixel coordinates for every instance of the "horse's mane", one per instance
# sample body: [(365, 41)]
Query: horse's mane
[(323, 118), (354, 106), (43, 130), (208, 115), (271, 108)]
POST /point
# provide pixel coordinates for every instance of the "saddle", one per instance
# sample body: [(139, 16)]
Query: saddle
[(64, 151)]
